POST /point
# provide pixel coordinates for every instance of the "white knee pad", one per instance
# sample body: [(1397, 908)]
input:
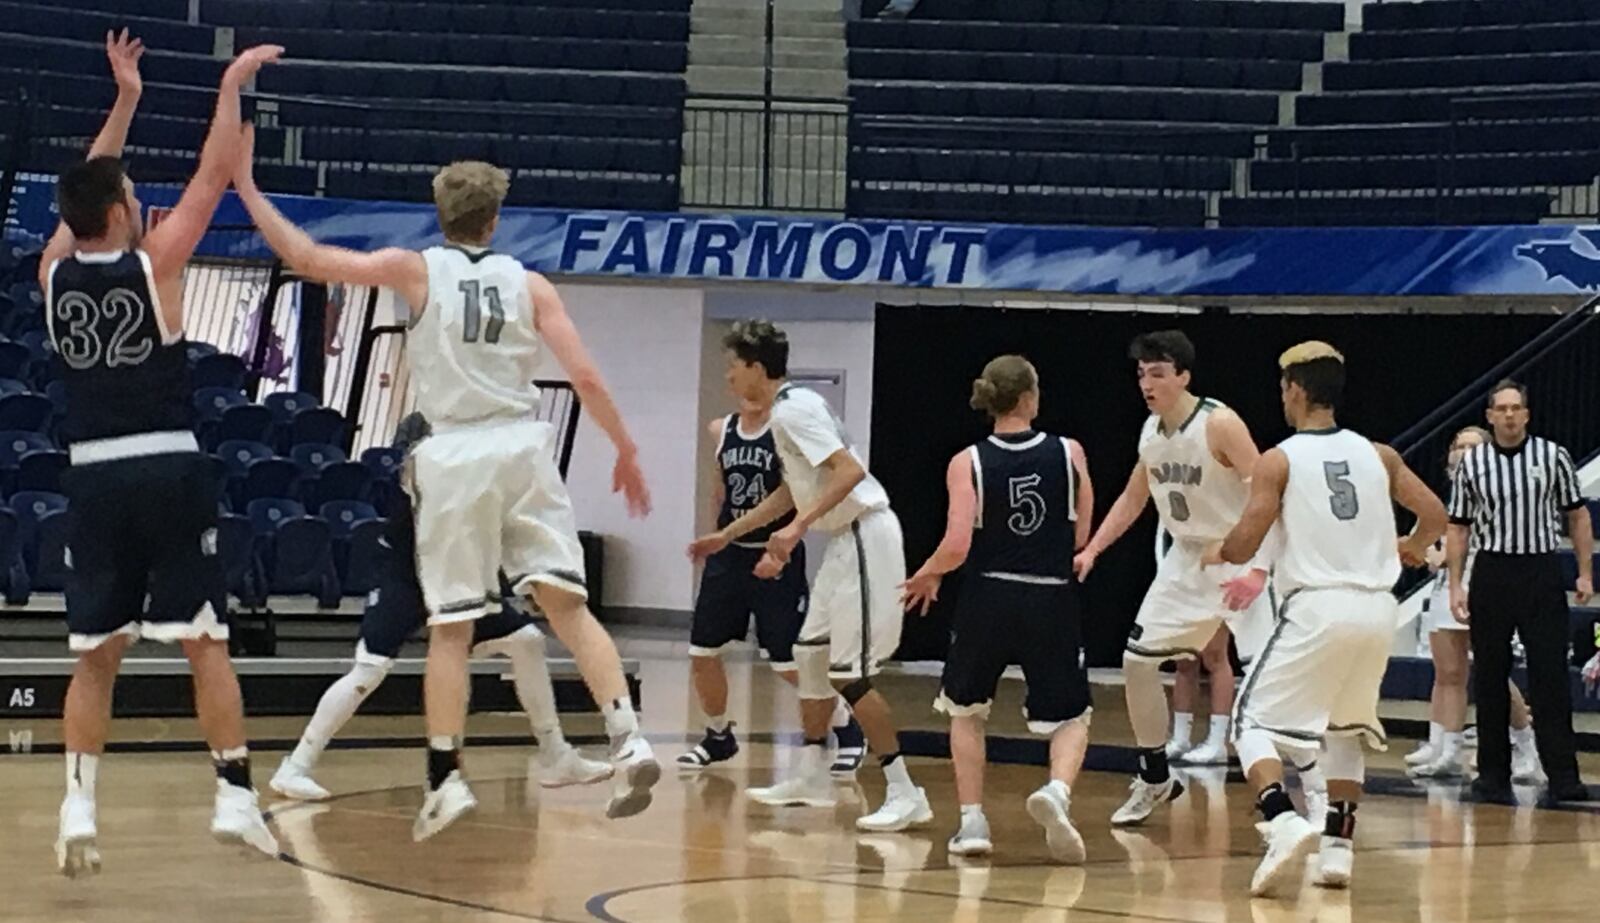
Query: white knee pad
[(1253, 746), (369, 675), (811, 661), (1344, 760)]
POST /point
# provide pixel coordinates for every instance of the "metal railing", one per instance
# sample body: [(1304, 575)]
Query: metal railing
[(768, 153)]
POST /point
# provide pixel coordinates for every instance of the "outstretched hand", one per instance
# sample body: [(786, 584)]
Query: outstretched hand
[(627, 478), (920, 592), (124, 52), (248, 62)]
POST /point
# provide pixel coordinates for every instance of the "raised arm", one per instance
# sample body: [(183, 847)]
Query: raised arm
[(401, 270), (171, 243), (1408, 490), (550, 318), (1121, 516), (124, 53), (1261, 510)]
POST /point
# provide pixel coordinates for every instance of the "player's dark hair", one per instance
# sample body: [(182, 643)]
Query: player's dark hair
[(760, 341), (1322, 379), (1004, 382), (86, 193), (1507, 384), (1163, 346)]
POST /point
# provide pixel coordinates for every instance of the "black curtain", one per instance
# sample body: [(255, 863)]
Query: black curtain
[(1401, 367)]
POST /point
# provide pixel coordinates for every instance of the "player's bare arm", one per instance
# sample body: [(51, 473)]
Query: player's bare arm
[(922, 590), (1231, 443), (1083, 505), (1261, 511), (775, 506), (1122, 515), (1408, 490), (841, 472), (555, 327), (1457, 536), (123, 52), (173, 241), (394, 268), (714, 428)]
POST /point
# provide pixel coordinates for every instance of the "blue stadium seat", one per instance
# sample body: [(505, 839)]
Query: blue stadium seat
[(361, 556), (322, 425), (302, 560), (240, 567), (340, 481), (312, 457), (383, 462), (238, 454), (209, 403), (50, 565), (344, 515), (265, 478), (12, 386), (13, 570), (40, 470), (14, 445), (250, 422), (218, 370), (30, 507), (16, 361)]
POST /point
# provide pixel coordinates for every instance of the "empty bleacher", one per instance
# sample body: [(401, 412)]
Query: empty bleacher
[(582, 101), (1070, 112), (1083, 111)]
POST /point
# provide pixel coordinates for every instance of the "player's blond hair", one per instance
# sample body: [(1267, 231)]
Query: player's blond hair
[(1004, 382), (1309, 351), (468, 194)]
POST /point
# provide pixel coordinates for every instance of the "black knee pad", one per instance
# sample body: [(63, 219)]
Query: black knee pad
[(856, 690)]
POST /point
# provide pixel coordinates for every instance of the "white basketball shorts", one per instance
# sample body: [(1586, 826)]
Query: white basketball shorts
[(489, 497), (1321, 671), (855, 599), (1183, 609)]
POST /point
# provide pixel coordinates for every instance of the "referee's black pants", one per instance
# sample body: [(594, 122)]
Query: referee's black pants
[(1523, 593)]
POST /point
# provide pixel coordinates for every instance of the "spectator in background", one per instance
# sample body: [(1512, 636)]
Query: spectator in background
[(1507, 499)]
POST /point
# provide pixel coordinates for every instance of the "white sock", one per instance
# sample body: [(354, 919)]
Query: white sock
[(1522, 736), (841, 713), (334, 710), (1450, 743), (972, 810), (531, 676), (621, 721), (1182, 726), (717, 724), (1218, 735), (897, 775), (1435, 734), (814, 762), (1060, 788), (82, 769)]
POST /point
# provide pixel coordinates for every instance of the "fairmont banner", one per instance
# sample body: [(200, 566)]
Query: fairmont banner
[(1352, 262)]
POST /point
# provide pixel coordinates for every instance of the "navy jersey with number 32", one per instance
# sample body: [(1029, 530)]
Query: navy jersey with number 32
[(1026, 507), (750, 472)]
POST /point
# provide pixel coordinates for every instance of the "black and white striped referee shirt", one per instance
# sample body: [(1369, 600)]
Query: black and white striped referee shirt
[(1514, 499)]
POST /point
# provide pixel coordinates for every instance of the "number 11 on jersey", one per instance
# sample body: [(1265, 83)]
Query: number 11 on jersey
[(473, 313)]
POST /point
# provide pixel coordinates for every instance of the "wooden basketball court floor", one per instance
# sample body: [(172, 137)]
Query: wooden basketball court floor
[(701, 853)]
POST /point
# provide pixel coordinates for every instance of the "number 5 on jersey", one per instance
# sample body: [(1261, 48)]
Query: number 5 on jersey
[(1027, 505)]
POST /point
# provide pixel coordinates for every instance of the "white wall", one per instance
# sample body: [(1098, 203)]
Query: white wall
[(647, 344)]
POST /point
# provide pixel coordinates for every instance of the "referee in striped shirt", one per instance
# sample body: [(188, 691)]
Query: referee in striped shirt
[(1512, 493)]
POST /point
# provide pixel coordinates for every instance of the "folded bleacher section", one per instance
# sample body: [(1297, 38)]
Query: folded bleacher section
[(1183, 112), (581, 99), (1448, 111), (299, 517), (1080, 111)]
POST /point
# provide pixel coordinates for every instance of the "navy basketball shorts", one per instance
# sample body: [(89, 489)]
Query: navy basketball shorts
[(142, 551), (1001, 621), (395, 610), (731, 593)]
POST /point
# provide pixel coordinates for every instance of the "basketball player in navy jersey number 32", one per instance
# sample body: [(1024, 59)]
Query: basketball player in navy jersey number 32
[(143, 503), (484, 483)]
